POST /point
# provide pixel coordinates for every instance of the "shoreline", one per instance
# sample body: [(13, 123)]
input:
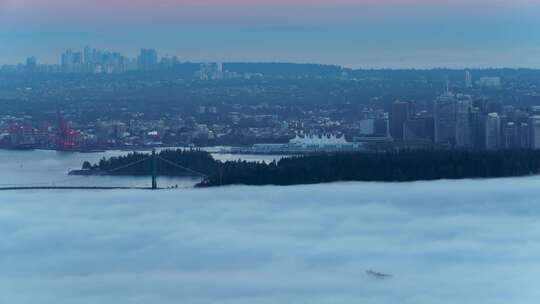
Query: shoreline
[(222, 150)]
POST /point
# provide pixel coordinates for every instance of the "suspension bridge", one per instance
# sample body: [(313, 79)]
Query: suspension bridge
[(57, 184)]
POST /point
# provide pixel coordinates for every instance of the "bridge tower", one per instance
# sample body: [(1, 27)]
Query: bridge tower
[(154, 170)]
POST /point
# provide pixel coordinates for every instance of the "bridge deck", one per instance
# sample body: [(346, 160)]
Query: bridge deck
[(74, 188)]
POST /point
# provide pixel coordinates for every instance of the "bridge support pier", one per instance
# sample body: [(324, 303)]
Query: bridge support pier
[(154, 170)]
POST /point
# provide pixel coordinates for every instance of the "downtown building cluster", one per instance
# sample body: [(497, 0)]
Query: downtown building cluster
[(463, 122), (96, 61)]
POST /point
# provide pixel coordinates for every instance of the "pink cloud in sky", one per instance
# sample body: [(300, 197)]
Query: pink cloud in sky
[(130, 4), (327, 31), (187, 8), (85, 7), (57, 14)]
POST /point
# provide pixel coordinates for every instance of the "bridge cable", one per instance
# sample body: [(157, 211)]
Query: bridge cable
[(128, 165), (182, 167)]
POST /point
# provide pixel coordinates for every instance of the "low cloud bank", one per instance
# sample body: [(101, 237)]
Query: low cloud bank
[(443, 242)]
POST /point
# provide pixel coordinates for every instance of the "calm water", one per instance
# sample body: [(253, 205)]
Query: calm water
[(442, 242), (45, 168)]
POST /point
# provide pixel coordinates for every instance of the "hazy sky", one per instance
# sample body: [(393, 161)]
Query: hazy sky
[(444, 243), (356, 33)]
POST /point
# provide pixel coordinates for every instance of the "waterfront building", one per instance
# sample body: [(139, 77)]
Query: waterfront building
[(304, 144)]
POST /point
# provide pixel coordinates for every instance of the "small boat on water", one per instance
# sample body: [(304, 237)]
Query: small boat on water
[(378, 275)]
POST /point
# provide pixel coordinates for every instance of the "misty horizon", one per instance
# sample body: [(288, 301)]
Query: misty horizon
[(134, 53), (367, 34)]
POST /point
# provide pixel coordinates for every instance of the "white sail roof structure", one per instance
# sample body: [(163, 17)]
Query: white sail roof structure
[(320, 140), (311, 143)]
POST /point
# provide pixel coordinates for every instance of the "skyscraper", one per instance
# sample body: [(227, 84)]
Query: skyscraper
[(72, 61), (400, 112), (88, 59), (534, 129), (148, 60), (524, 136), (511, 136), (493, 131), (445, 118), (420, 128), (463, 121), (31, 64), (468, 79)]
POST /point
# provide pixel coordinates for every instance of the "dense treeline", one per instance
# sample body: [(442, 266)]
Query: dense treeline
[(400, 166), (384, 167), (196, 160), (280, 69), (187, 70)]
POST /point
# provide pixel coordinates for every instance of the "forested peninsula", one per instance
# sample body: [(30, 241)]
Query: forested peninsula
[(402, 166)]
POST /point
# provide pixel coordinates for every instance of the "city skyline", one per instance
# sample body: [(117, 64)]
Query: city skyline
[(396, 34)]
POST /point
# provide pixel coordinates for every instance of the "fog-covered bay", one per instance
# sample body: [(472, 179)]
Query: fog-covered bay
[(442, 242)]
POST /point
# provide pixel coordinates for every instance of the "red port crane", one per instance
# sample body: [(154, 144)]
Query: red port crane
[(66, 136)]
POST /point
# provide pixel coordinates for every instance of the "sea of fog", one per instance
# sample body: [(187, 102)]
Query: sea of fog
[(442, 242)]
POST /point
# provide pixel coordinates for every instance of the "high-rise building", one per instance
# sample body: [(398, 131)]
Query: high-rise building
[(463, 123), (72, 61), (66, 61), (468, 79), (148, 60), (31, 64), (366, 127), (524, 136), (420, 128), (88, 59), (400, 112), (445, 118), (130, 64), (493, 131), (511, 136), (452, 115), (478, 129), (534, 131), (381, 127), (97, 61), (168, 62)]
